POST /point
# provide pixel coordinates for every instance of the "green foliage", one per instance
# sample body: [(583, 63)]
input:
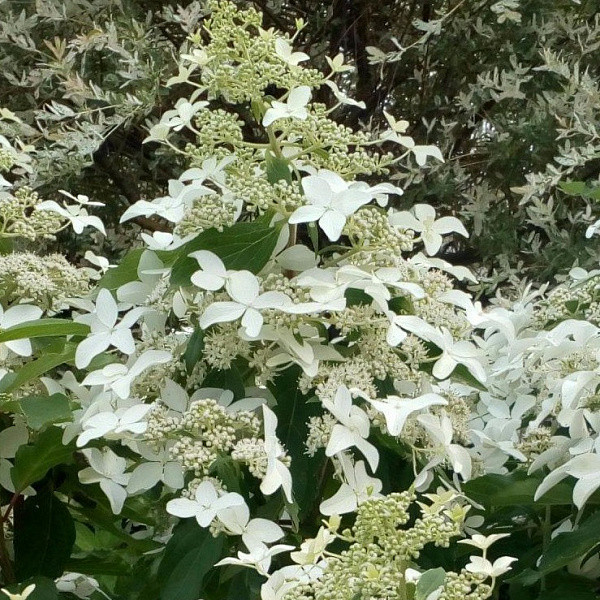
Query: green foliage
[(246, 246), (44, 536), (40, 411), (189, 555), (33, 461)]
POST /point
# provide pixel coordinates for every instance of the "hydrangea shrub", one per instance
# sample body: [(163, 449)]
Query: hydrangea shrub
[(285, 394)]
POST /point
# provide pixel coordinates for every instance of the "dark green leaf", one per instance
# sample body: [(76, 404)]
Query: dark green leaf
[(193, 350), (568, 546), (43, 328), (6, 245), (40, 411), (228, 379), (402, 305), (516, 488), (293, 413), (98, 564), (228, 471), (189, 555), (45, 589), (242, 246), (34, 460), (44, 536)]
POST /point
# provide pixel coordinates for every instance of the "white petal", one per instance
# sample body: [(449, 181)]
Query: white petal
[(432, 240), (448, 224), (342, 502), (20, 347), (263, 530), (115, 493), (299, 96), (144, 477), (341, 439), (122, 339), (317, 190), (21, 313), (243, 287), (173, 475), (252, 322), (332, 223), (149, 359), (89, 348), (106, 308), (182, 507), (221, 312), (235, 518), (207, 281), (307, 214)]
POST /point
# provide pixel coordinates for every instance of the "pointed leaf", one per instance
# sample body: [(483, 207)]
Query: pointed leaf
[(44, 536), (33, 461)]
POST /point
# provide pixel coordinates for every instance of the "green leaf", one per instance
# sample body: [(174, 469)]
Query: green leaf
[(570, 545), (563, 586), (463, 374), (293, 413), (193, 350), (580, 188), (277, 168), (402, 305), (429, 582), (43, 328), (189, 555), (35, 368), (40, 411), (98, 564), (125, 272), (44, 536), (227, 379), (228, 471), (243, 246), (517, 488), (33, 461)]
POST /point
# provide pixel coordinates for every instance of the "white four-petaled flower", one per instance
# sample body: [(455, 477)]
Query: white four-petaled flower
[(294, 107), (107, 469), (352, 429), (423, 221), (331, 200), (207, 504), (247, 302), (254, 532), (105, 331)]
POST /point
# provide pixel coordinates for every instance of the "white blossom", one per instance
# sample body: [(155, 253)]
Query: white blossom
[(331, 200), (107, 469), (352, 429), (105, 331), (294, 107), (247, 302), (207, 504), (424, 222)]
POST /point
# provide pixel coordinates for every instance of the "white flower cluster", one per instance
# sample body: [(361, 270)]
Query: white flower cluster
[(289, 285)]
